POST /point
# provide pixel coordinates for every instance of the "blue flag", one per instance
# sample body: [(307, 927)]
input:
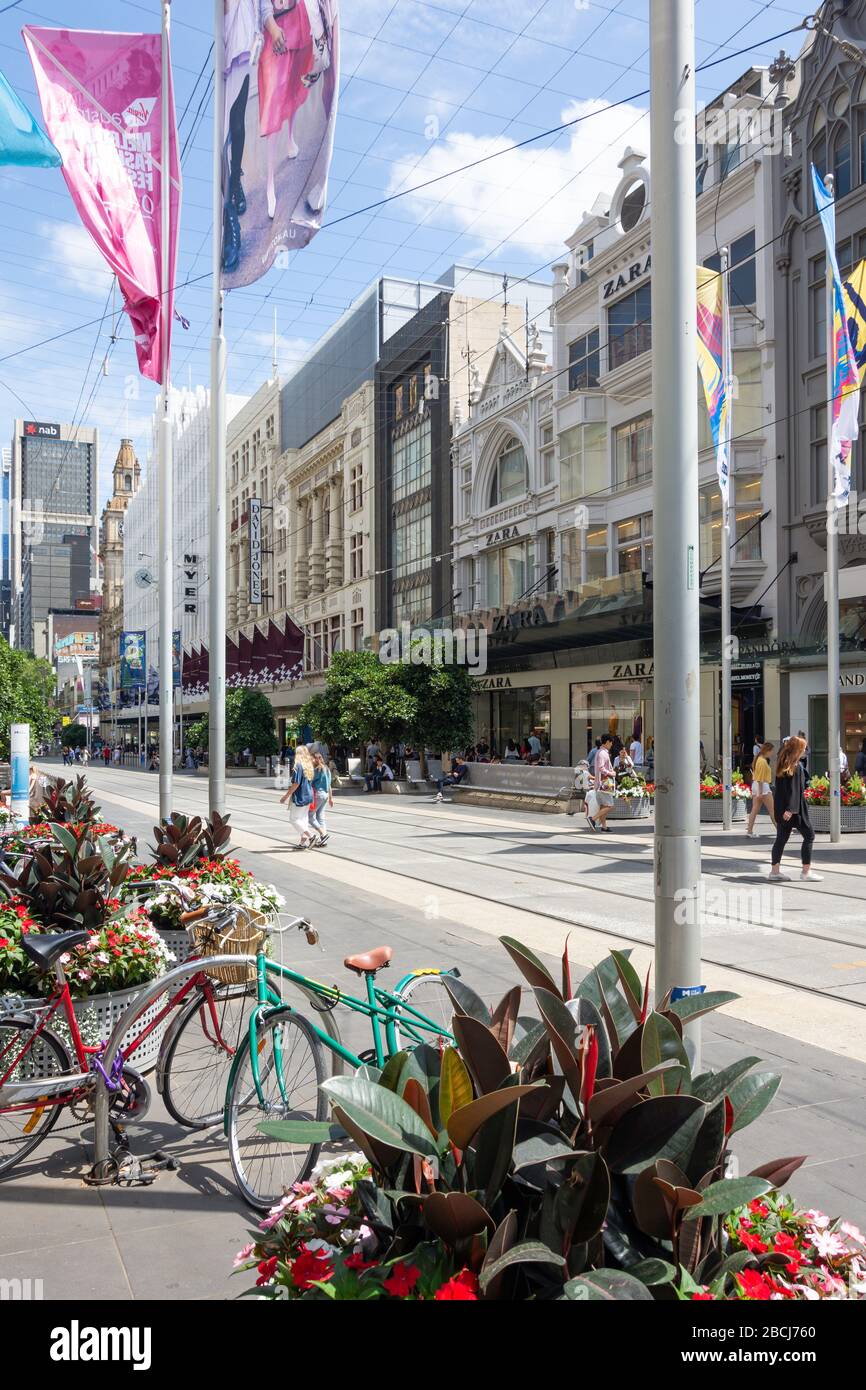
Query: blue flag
[(22, 141)]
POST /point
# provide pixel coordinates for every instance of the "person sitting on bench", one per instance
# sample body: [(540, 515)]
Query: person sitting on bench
[(378, 773), (459, 772)]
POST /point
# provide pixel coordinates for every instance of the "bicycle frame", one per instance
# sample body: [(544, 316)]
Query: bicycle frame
[(380, 1006)]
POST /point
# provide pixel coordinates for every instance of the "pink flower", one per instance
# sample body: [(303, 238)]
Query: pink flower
[(818, 1219), (853, 1232), (243, 1255), (828, 1245)]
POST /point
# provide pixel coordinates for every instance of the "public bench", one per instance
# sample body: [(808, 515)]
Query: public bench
[(546, 788)]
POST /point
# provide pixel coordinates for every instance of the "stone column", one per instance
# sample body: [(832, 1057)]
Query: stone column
[(317, 549), (334, 548), (302, 554)]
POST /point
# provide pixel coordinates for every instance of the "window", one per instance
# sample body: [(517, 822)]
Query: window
[(629, 330), (282, 593), (633, 451), (583, 362), (818, 142), (547, 454), (510, 475), (547, 559), (570, 577), (411, 459), (745, 534), (817, 306), (412, 540), (634, 545), (413, 605), (356, 487), (398, 402), (263, 484), (257, 446), (842, 161), (730, 156), (596, 552), (742, 280), (632, 206), (234, 512), (235, 457), (269, 427), (357, 629), (582, 257), (701, 166), (510, 573), (245, 458), (413, 393), (582, 462), (356, 555), (818, 451)]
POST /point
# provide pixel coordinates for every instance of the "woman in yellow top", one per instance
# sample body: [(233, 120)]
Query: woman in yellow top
[(761, 794)]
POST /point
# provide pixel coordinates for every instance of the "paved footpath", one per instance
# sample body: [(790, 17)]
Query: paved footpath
[(439, 884)]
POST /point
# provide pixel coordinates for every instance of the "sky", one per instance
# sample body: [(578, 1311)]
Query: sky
[(426, 87)]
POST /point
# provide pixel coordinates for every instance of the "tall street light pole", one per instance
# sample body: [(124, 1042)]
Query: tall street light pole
[(217, 527), (831, 581), (165, 544), (675, 502)]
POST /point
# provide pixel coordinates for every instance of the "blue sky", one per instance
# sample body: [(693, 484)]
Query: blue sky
[(427, 86)]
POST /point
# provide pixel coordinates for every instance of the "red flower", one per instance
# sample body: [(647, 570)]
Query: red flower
[(753, 1243), (4, 941), (358, 1262), (402, 1280), (463, 1288), (702, 1298), (311, 1266), (267, 1270), (753, 1284), (758, 1208)]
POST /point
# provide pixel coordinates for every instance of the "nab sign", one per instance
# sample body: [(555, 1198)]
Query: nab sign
[(34, 429)]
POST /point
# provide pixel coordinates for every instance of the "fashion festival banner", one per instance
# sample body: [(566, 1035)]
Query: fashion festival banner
[(282, 79), (843, 374), (711, 365), (101, 102)]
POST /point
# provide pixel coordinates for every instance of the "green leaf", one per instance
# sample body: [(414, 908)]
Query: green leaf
[(463, 1124), (381, 1114), (455, 1086), (392, 1072), (542, 1146), (529, 965), (693, 1006), (302, 1131), (630, 981), (465, 1000), (661, 1127), (607, 1286), (750, 1097), (712, 1084), (728, 1195), (585, 1012), (660, 1042), (653, 1272), (494, 1146), (525, 1046), (528, 1252), (608, 1100), (66, 838)]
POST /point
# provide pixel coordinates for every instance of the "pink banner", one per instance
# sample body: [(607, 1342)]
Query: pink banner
[(101, 102)]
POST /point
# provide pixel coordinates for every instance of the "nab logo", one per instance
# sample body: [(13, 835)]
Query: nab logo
[(33, 428)]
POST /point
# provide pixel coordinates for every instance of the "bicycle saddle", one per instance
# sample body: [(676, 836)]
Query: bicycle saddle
[(370, 961), (44, 950)]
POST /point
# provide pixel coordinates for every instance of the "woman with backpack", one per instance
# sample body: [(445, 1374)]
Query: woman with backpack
[(300, 796)]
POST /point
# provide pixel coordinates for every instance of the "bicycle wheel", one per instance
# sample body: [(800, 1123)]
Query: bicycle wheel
[(22, 1130), (199, 1056), (291, 1070), (427, 994)]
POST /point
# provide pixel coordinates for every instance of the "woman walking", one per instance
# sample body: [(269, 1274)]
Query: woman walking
[(792, 811), (761, 794), (324, 799), (300, 796)]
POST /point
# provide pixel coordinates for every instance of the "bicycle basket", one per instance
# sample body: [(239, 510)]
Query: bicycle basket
[(242, 938)]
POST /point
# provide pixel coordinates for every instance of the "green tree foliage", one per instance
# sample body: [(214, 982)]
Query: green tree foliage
[(365, 698), (250, 723), (73, 736), (25, 691), (196, 735)]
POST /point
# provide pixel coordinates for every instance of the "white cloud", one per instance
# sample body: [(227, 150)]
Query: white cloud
[(291, 351), (75, 258), (530, 198)]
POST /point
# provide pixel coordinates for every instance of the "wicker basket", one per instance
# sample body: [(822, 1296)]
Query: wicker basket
[(242, 938)]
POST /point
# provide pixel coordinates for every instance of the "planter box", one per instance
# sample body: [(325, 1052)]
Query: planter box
[(630, 808), (711, 811), (97, 1015), (853, 819)]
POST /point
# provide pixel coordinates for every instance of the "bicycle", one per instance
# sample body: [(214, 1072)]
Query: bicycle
[(279, 1066), (38, 1076)]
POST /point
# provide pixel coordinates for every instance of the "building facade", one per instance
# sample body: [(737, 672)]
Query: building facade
[(53, 523), (826, 125), (554, 539), (5, 541), (125, 482)]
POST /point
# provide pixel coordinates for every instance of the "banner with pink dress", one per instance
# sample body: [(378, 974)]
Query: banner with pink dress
[(282, 79), (102, 107)]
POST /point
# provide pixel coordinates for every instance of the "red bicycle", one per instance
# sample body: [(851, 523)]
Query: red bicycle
[(40, 1075)]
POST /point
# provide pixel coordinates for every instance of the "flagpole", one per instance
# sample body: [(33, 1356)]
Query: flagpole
[(217, 566), (165, 544), (832, 582), (727, 736)]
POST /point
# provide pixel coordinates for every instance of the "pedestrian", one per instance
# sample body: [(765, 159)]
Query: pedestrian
[(605, 783), (860, 762), (300, 796), (380, 773), (534, 743), (511, 752), (636, 752), (623, 762), (843, 761), (373, 751), (805, 758), (106, 753), (324, 798), (792, 811), (85, 757), (593, 754), (581, 786), (459, 772), (761, 794)]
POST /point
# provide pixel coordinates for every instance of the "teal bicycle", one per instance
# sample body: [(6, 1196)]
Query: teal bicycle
[(280, 1063)]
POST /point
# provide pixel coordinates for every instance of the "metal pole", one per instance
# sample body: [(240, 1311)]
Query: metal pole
[(727, 645), (675, 504), (832, 582), (217, 566), (165, 544)]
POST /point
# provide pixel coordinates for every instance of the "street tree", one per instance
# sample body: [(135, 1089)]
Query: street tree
[(26, 683), (250, 723)]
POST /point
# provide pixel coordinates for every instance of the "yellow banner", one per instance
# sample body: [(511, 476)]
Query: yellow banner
[(854, 294)]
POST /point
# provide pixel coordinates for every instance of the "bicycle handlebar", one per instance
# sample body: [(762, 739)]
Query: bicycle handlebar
[(194, 916)]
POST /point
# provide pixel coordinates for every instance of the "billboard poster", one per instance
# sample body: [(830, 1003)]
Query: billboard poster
[(254, 513), (282, 79), (176, 657), (19, 756), (133, 650)]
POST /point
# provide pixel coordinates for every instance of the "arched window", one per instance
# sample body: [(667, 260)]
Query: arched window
[(510, 474), (859, 130), (841, 160), (127, 481), (818, 142)]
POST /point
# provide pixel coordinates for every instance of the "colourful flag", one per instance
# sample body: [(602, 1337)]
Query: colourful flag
[(281, 85), (714, 371), (854, 294), (102, 105), (22, 140), (844, 376)]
